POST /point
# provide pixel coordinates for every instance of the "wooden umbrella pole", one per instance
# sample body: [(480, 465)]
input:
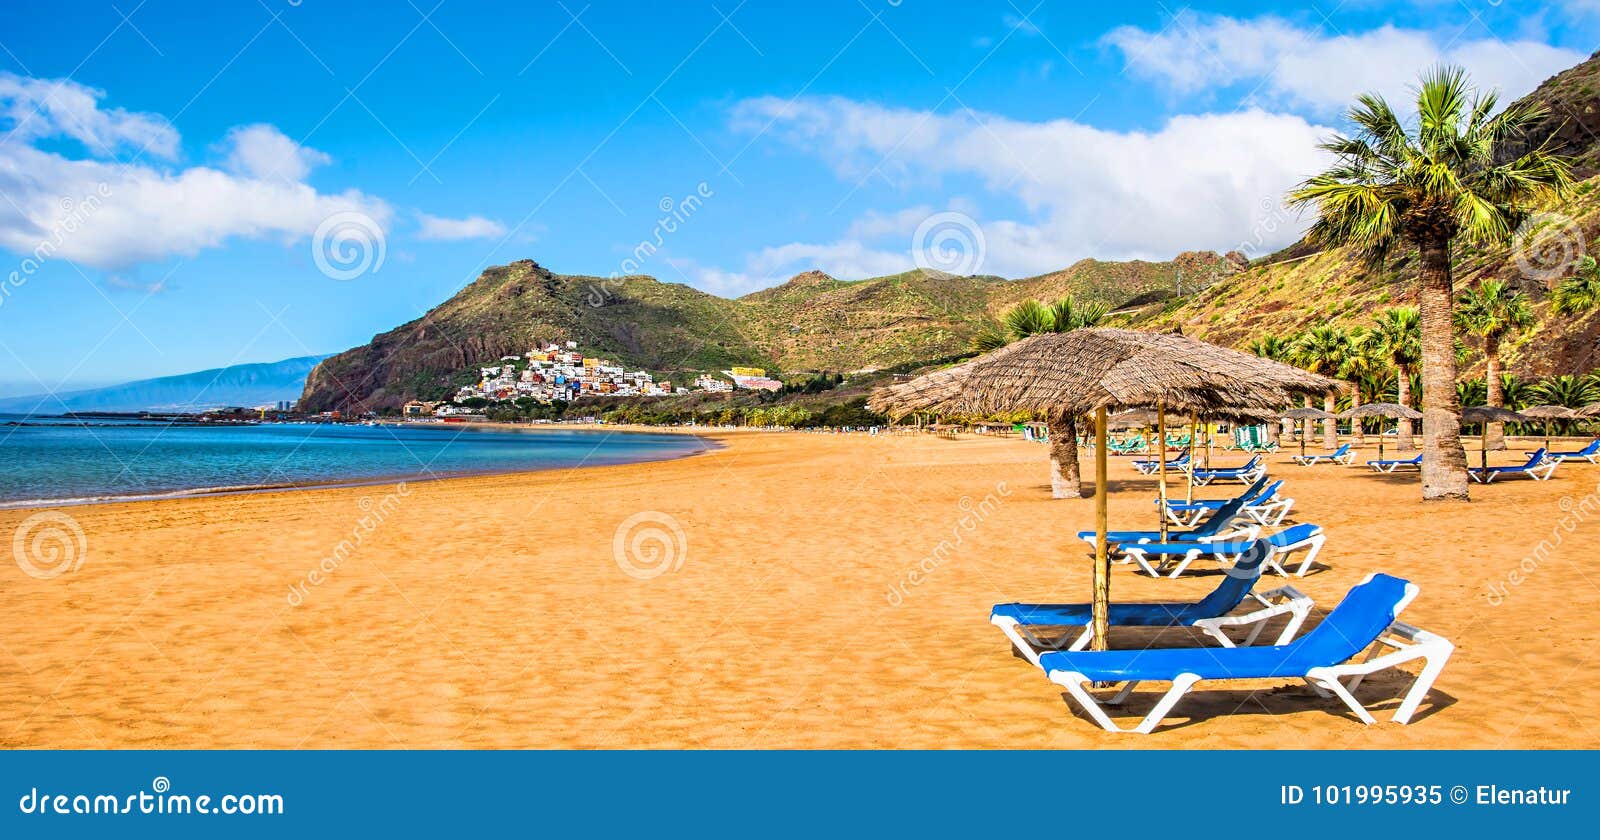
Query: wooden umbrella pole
[(1102, 560), (1188, 493), (1161, 429)]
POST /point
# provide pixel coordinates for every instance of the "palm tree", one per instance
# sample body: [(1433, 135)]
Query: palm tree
[(1033, 317), (1362, 361), (1451, 177), (1323, 349), (1398, 332), (1494, 313), (1579, 293), (1275, 348), (1566, 389)]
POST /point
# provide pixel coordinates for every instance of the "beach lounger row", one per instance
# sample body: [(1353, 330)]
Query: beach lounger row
[(1262, 502), (1590, 453), (1022, 622), (1539, 467), (1249, 472), (1366, 620), (1390, 465), (1151, 466), (1173, 559), (1343, 456)]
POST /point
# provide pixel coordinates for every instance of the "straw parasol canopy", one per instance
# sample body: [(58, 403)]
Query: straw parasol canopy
[(1307, 413), (1548, 413), (1393, 411), (1590, 410), (1484, 415), (1095, 370)]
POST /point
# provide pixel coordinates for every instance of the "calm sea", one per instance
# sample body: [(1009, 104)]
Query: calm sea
[(44, 460)]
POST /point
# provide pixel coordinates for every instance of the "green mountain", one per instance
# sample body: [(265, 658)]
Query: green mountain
[(811, 322)]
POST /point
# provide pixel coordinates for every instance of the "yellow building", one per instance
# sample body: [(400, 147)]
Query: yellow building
[(748, 371)]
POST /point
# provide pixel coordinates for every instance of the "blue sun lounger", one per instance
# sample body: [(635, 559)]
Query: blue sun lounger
[(1250, 471), (1323, 658), (1172, 559), (1150, 466), (1390, 466), (1539, 468), (1215, 527), (1263, 506), (1210, 614), (1342, 455), (1590, 453)]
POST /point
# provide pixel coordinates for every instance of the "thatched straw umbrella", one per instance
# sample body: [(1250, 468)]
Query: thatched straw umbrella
[(1590, 410), (1093, 370), (1307, 413), (1548, 413), (1484, 415), (1394, 411), (939, 392)]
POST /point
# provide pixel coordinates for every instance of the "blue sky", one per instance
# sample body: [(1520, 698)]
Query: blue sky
[(224, 183)]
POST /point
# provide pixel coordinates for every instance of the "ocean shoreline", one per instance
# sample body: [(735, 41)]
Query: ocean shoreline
[(711, 444)]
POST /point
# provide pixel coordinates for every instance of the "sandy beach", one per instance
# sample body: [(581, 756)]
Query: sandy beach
[(759, 595)]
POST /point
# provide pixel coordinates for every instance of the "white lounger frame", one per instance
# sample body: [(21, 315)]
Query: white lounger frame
[(1203, 477), (1548, 467), (1346, 459), (1155, 565), (1238, 529), (1268, 512), (1391, 466), (1572, 456), (1407, 641), (1285, 600)]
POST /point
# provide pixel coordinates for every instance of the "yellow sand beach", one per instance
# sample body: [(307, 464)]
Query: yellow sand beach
[(788, 590)]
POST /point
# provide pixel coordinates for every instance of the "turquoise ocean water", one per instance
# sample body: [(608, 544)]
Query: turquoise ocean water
[(45, 460)]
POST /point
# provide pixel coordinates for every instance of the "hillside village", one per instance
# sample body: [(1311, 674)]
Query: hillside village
[(560, 372)]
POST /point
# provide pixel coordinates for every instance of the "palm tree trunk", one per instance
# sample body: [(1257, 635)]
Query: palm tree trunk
[(1403, 440), (1358, 435), (1491, 372), (1330, 432), (1066, 482), (1444, 462)]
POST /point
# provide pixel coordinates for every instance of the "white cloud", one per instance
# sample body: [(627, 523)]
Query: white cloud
[(37, 108), (1207, 181), (111, 214), (439, 228), (262, 151), (1320, 72)]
